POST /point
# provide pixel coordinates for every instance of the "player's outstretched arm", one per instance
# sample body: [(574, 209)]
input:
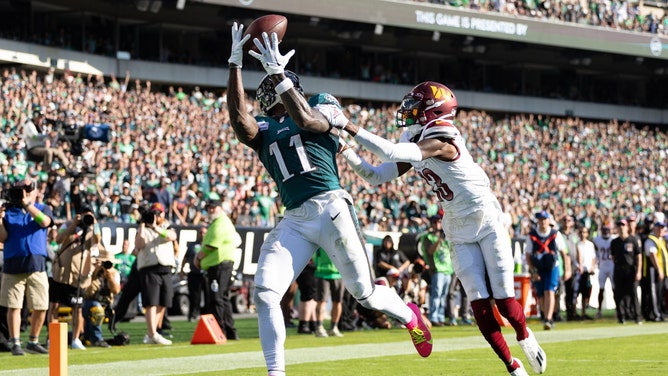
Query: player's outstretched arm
[(295, 104), (406, 152), (386, 150), (244, 125), (374, 175)]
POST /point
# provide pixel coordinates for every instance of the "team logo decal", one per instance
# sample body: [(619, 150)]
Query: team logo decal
[(440, 93)]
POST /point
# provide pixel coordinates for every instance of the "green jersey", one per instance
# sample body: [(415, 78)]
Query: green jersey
[(302, 163), (324, 267), (440, 261)]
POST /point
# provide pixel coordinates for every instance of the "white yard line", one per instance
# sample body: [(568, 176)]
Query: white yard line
[(241, 360)]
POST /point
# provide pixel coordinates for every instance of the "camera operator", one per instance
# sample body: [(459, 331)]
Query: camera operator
[(156, 256), (23, 230), (38, 142), (72, 267), (105, 283)]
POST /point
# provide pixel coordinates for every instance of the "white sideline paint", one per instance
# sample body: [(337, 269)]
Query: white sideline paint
[(254, 359)]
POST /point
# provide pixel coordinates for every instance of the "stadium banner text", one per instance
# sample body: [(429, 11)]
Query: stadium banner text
[(248, 253), (436, 17)]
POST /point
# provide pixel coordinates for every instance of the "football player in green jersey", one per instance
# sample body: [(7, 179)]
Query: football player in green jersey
[(295, 142)]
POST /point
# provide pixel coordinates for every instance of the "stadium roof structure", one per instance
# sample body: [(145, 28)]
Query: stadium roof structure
[(492, 61)]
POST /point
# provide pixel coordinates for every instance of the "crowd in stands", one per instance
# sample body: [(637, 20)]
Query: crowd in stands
[(178, 149), (622, 15)]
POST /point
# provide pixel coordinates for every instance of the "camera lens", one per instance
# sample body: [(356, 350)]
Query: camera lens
[(107, 264), (87, 220)]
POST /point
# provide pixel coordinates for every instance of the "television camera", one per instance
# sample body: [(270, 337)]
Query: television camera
[(74, 133)]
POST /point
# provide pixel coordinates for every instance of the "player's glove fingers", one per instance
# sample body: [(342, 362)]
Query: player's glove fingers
[(255, 54), (237, 32), (286, 58), (240, 44), (333, 114), (237, 54)]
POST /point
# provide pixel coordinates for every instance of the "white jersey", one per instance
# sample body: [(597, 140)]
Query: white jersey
[(603, 249), (461, 185), (587, 251)]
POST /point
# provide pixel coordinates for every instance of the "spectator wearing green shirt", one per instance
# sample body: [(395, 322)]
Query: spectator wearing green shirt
[(126, 259), (216, 259), (435, 250), (328, 284)]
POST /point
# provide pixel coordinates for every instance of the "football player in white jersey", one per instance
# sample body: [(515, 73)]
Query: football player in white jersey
[(472, 220), (606, 266)]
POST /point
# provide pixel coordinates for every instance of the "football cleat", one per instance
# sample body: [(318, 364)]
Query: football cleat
[(535, 354), (420, 334), (519, 371)]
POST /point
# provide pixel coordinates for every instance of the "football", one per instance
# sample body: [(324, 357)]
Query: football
[(270, 23)]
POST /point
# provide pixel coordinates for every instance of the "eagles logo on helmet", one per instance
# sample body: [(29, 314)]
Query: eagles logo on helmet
[(427, 102), (266, 94)]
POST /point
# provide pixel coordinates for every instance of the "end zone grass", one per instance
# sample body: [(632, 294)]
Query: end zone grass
[(601, 347)]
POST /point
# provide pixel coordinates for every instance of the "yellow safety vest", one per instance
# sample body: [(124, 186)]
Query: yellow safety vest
[(661, 256)]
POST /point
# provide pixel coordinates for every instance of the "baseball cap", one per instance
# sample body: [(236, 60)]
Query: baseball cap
[(660, 224), (104, 255), (622, 222), (156, 206), (213, 203), (542, 215)]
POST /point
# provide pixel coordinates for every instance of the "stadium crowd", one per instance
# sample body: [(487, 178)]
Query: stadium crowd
[(177, 148), (622, 15)]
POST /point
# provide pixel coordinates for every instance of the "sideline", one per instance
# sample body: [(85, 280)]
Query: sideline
[(254, 359)]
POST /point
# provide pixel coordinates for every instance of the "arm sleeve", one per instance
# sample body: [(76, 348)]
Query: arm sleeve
[(389, 151), (375, 175)]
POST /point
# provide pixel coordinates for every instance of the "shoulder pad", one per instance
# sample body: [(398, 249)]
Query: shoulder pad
[(323, 98), (440, 129)]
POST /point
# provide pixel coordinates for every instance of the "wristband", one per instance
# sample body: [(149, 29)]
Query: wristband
[(284, 86), (41, 218), (234, 66), (163, 233)]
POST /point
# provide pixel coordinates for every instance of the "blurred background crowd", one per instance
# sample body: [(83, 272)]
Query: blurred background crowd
[(176, 147), (622, 15)]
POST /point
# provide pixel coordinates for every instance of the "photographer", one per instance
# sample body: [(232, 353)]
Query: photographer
[(38, 142), (105, 283), (23, 229), (72, 266), (156, 256)]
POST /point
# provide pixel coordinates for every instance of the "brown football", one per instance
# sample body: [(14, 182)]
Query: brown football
[(271, 23)]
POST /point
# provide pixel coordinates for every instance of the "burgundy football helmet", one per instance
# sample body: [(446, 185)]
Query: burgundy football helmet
[(425, 103)]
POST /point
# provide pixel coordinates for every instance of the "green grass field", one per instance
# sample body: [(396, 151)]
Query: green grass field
[(600, 347)]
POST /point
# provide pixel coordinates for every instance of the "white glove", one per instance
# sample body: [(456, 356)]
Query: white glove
[(237, 55), (271, 59), (334, 115)]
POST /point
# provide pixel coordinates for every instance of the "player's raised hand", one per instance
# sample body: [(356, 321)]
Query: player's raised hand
[(334, 114), (238, 41), (269, 55)]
